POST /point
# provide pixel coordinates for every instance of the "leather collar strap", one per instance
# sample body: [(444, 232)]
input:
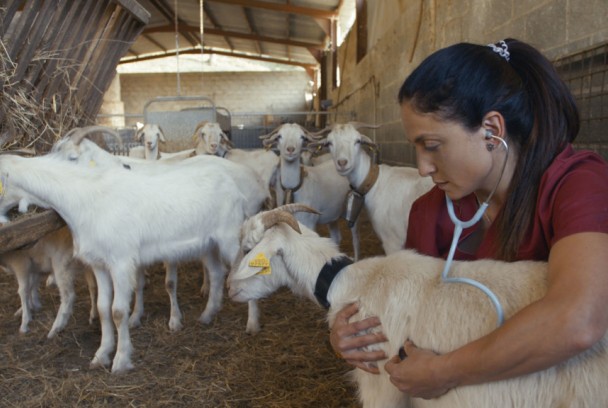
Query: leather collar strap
[(370, 179), (288, 197), (329, 271)]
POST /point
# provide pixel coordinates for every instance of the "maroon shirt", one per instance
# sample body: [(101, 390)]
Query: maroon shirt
[(573, 197)]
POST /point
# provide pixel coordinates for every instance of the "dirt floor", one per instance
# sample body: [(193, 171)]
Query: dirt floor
[(288, 364)]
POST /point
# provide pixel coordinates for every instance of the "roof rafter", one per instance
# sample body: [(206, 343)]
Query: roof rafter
[(235, 34), (308, 67), (285, 8)]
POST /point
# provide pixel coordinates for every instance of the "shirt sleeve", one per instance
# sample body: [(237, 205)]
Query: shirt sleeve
[(580, 202)]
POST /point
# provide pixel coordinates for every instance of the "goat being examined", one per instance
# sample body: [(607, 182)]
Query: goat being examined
[(405, 291)]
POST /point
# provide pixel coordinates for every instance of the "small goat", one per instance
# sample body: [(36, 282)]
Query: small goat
[(188, 212), (405, 291), (387, 192), (53, 253), (319, 187)]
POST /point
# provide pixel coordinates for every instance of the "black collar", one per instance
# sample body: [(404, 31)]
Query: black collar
[(329, 271)]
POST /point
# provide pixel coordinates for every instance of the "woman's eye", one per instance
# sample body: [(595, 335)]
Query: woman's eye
[(431, 146)]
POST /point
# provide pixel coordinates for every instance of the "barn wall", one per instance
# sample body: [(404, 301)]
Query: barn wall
[(404, 34), (239, 92)]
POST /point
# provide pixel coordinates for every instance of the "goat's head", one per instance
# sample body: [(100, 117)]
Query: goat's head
[(10, 197), (290, 139), (211, 138), (150, 135), (346, 144), (76, 147), (263, 241)]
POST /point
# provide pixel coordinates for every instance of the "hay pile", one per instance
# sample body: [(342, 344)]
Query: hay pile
[(28, 117), (288, 364)]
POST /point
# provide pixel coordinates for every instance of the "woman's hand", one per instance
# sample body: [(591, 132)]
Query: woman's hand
[(346, 339), (414, 375)]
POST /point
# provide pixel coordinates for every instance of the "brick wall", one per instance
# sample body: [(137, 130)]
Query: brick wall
[(266, 92), (369, 87)]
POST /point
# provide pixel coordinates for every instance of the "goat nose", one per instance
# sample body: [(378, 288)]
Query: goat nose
[(213, 145), (290, 149), (342, 162)]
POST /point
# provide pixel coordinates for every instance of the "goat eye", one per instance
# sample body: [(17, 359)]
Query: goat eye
[(358, 141)]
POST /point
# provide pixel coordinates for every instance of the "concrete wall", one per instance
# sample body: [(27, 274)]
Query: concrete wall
[(412, 29), (236, 91)]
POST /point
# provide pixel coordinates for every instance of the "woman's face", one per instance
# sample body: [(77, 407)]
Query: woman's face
[(454, 157)]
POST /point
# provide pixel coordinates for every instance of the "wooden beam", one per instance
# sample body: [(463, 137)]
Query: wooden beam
[(304, 65), (285, 8), (28, 229), (235, 34)]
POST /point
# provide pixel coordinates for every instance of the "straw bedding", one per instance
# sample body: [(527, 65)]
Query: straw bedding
[(288, 364)]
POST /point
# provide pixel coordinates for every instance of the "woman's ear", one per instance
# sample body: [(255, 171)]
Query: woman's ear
[(495, 123)]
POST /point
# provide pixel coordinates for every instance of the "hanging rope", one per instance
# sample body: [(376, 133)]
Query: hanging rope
[(201, 28), (177, 49)]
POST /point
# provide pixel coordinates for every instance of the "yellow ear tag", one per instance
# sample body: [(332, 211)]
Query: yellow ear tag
[(92, 163), (1, 187), (261, 261)]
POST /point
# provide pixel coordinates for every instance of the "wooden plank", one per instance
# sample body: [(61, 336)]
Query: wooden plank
[(28, 229), (136, 9)]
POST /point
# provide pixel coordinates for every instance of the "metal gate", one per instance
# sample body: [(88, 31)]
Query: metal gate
[(586, 74)]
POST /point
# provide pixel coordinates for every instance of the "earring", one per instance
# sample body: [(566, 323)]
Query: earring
[(488, 135)]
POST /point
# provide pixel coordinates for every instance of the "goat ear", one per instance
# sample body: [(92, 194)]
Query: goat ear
[(139, 135), (161, 135), (256, 263), (227, 141), (317, 146)]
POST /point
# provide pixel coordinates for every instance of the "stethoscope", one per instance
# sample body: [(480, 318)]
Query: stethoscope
[(459, 225)]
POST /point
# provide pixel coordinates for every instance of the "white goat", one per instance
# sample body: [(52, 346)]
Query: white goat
[(405, 291), (387, 192), (212, 140), (151, 135), (182, 212), (319, 187), (53, 253), (74, 147)]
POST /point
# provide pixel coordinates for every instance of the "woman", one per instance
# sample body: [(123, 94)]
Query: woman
[(463, 108)]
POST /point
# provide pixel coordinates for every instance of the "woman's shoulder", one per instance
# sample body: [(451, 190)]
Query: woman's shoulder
[(574, 192), (579, 161)]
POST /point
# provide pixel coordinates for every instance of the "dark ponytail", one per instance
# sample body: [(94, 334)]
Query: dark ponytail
[(463, 82)]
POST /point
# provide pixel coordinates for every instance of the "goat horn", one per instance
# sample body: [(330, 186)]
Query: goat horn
[(80, 133), (21, 152), (297, 207), (320, 134), (285, 214), (358, 125)]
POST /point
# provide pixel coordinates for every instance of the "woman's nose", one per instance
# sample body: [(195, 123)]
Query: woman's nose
[(425, 167)]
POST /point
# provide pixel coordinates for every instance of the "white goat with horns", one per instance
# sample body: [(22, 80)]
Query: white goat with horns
[(76, 148), (319, 187), (189, 211), (386, 192), (405, 291)]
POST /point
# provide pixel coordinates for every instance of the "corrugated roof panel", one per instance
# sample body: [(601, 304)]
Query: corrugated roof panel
[(269, 29)]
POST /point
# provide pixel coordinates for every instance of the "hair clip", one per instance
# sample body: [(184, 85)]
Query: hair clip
[(503, 50)]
